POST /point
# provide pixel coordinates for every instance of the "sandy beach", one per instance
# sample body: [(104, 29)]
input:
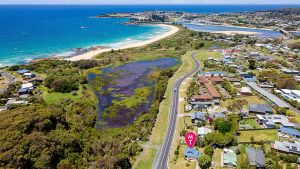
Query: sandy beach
[(236, 32), (91, 54)]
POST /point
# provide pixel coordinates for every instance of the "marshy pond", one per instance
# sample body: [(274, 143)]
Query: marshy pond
[(126, 91)]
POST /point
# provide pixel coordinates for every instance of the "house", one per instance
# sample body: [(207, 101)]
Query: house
[(255, 157), (270, 121), (12, 102), (289, 131), (23, 71), (229, 158), (212, 73), (198, 116), (260, 109), (250, 79), (191, 153), (203, 131), (23, 91), (203, 100), (206, 79), (246, 91), (27, 86), (291, 72), (212, 91), (28, 75), (217, 115), (287, 147), (290, 94), (36, 80)]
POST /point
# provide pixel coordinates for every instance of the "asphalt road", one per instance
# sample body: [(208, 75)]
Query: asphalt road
[(11, 79), (161, 158)]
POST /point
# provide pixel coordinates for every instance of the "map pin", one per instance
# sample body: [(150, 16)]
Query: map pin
[(190, 139)]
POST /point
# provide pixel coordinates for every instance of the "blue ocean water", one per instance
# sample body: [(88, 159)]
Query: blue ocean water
[(32, 31)]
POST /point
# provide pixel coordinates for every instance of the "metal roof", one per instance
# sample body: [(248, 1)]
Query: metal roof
[(255, 156), (191, 153), (290, 131), (277, 101)]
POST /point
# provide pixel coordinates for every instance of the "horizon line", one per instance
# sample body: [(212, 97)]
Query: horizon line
[(142, 4)]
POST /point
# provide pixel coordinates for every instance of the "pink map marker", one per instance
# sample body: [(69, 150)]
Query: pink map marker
[(190, 139)]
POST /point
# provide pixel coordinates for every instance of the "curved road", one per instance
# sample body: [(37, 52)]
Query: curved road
[(11, 79), (161, 159)]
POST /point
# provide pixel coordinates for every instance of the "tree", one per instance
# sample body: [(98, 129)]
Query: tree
[(252, 64), (204, 161), (286, 83), (245, 164), (271, 164), (199, 45), (208, 149)]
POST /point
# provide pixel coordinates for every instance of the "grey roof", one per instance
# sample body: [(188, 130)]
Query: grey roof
[(255, 156), (277, 101), (275, 119), (287, 147), (260, 108), (198, 116)]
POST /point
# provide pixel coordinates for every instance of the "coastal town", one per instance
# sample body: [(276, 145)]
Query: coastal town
[(243, 102)]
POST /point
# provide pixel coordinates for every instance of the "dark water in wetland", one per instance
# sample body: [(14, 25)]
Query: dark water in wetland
[(118, 83)]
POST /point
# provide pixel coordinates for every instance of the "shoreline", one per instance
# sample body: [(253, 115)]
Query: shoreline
[(236, 32), (234, 26), (91, 54)]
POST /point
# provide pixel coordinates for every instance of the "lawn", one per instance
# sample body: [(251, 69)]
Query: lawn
[(205, 54), (251, 122), (54, 97), (296, 116), (147, 160), (249, 99), (258, 135), (181, 163), (217, 158)]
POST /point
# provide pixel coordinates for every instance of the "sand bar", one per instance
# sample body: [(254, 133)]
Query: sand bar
[(91, 54), (236, 32)]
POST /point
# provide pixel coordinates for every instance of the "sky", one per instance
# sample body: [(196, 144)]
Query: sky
[(150, 2)]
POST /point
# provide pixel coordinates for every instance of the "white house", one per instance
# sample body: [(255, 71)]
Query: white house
[(202, 131)]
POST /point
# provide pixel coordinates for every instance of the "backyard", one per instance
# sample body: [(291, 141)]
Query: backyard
[(258, 135)]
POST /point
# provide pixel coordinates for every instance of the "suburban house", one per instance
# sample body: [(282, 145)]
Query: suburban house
[(212, 73), (290, 94), (287, 147), (260, 109), (23, 71), (206, 79), (270, 121), (246, 91), (290, 72), (12, 102), (198, 116), (208, 94), (28, 75), (229, 158), (191, 153), (292, 132), (255, 157), (25, 89), (217, 115), (203, 131)]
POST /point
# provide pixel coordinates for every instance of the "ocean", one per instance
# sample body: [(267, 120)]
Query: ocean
[(32, 31)]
